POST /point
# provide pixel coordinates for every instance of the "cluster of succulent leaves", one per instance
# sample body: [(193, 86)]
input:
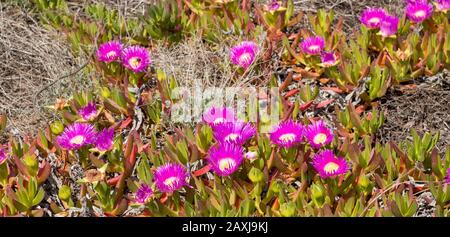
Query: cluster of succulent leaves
[(384, 180)]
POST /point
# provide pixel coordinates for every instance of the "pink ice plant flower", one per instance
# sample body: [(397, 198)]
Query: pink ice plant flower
[(225, 158), (76, 136), (443, 5), (235, 132), (215, 116), (328, 59), (313, 45), (109, 51), (104, 140), (419, 11), (143, 194), (273, 6), (328, 165), (170, 177), (416, 1), (3, 155), (447, 178), (287, 134), (244, 54), (372, 17), (318, 134), (136, 58), (88, 112), (389, 26)]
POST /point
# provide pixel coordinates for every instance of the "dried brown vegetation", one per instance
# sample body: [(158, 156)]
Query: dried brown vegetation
[(424, 108), (31, 57)]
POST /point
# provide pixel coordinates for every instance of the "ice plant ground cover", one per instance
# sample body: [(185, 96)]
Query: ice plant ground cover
[(274, 147)]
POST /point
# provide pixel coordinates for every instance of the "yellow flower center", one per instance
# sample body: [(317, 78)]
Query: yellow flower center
[(171, 181), (331, 167), (245, 58), (226, 163), (111, 54), (222, 1), (219, 120), (374, 20), (314, 47), (78, 140), (320, 138), (288, 137), (135, 62), (231, 137), (420, 13)]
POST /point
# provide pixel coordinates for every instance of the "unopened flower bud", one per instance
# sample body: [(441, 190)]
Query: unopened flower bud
[(31, 163), (57, 127), (64, 193), (275, 187), (105, 92), (256, 175), (287, 209)]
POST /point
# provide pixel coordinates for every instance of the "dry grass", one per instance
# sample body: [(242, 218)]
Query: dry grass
[(424, 108), (196, 63), (126, 8), (30, 58)]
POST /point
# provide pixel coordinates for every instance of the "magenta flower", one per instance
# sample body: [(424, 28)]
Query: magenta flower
[(88, 112), (104, 140), (244, 54), (217, 115), (136, 58), (419, 11), (328, 59), (287, 134), (443, 5), (328, 165), (372, 17), (143, 194), (313, 45), (237, 133), (274, 5), (389, 26), (76, 136), (3, 155), (170, 177), (447, 178), (318, 134), (416, 1), (225, 158), (109, 51)]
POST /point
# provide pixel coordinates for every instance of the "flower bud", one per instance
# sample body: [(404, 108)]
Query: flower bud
[(57, 127), (105, 92), (31, 163), (275, 187), (287, 209), (256, 175), (64, 193)]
